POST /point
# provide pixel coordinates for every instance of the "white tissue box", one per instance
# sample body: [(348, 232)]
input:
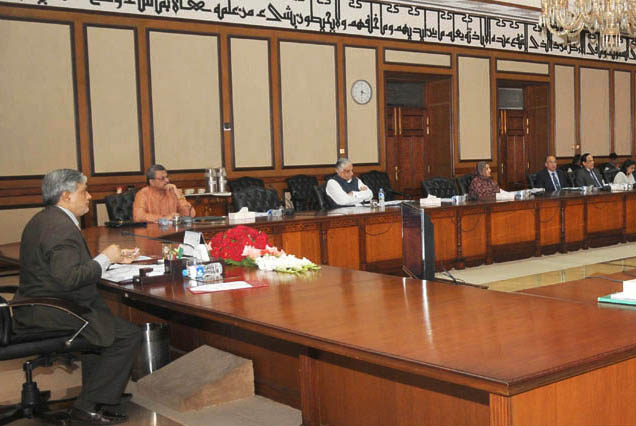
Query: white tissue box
[(629, 288), (431, 202), (504, 196), (242, 215)]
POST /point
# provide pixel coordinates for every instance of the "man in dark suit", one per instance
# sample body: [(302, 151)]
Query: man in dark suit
[(551, 178), (587, 175), (55, 262)]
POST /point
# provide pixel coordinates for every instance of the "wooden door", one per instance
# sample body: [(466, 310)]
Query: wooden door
[(537, 99), (438, 154), (513, 160), (406, 135)]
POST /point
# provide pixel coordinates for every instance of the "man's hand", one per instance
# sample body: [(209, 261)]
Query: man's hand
[(363, 188), (113, 253), (172, 187), (129, 255)]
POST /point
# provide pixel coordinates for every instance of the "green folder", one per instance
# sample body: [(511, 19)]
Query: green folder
[(608, 299)]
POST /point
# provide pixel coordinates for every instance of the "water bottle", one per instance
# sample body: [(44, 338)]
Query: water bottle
[(381, 197)]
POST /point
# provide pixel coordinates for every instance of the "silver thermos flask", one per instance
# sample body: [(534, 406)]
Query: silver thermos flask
[(222, 178), (210, 175)]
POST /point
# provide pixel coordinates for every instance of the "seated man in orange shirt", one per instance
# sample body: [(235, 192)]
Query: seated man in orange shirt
[(160, 198)]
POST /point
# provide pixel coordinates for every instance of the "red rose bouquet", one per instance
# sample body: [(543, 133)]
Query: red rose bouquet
[(240, 245)]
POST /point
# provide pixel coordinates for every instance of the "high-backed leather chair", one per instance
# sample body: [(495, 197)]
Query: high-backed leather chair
[(532, 180), (609, 175), (120, 206), (440, 187), (256, 199), (46, 346), (302, 192), (376, 180), (463, 183), (324, 201), (245, 182)]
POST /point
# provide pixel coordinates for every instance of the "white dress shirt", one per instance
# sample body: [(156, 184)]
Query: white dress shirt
[(335, 191)]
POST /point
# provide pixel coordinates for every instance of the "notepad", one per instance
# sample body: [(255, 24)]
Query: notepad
[(211, 288), (620, 298)]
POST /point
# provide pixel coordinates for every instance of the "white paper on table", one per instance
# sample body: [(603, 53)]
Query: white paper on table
[(210, 288), (119, 272)]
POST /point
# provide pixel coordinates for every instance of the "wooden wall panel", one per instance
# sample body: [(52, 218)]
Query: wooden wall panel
[(112, 72), (362, 120), (417, 58), (473, 235), (623, 139), (12, 222), (308, 83), (604, 214), (508, 227), (37, 98), (574, 229), (595, 118), (550, 224), (251, 103), (630, 219), (445, 238), (343, 247), (564, 119), (383, 241), (186, 113), (523, 67), (473, 75), (303, 244)]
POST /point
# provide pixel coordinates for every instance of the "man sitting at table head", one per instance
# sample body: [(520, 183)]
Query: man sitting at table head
[(55, 262), (160, 199), (587, 175), (551, 178), (344, 188)]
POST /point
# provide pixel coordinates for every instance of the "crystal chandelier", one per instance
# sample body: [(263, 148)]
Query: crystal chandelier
[(607, 19)]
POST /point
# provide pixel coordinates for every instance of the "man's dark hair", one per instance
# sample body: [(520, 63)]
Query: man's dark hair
[(584, 157), (150, 174), (613, 156)]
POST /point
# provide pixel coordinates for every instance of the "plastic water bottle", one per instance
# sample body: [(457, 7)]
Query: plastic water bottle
[(381, 197)]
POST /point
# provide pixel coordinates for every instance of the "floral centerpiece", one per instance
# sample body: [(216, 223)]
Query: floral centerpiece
[(246, 246)]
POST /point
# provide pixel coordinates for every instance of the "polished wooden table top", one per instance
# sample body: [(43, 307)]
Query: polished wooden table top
[(498, 342)]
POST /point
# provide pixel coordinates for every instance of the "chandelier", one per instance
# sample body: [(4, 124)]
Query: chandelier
[(609, 20)]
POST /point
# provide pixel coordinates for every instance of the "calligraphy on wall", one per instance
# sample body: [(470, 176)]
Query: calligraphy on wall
[(363, 18)]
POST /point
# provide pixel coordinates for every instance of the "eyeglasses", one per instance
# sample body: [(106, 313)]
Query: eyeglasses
[(161, 178)]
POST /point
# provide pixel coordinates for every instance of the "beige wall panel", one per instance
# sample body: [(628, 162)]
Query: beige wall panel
[(565, 133), (362, 120), (474, 108), (623, 140), (185, 100), (12, 223), (524, 67), (113, 89), (37, 105), (418, 58), (595, 121), (102, 213), (251, 103), (308, 100)]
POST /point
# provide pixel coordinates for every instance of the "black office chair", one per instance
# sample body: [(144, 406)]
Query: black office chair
[(376, 180), (571, 177), (324, 201), (302, 192), (440, 187), (256, 199), (245, 182), (120, 206), (46, 346), (609, 175), (532, 180), (463, 183)]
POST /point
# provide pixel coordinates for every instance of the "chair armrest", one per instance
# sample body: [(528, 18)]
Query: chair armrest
[(52, 302), (8, 289)]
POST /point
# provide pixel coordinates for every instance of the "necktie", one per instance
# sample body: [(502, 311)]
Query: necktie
[(555, 181), (596, 182)]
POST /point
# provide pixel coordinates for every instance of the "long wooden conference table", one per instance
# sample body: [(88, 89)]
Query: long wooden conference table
[(351, 347)]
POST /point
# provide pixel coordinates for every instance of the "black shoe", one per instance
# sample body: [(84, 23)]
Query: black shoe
[(98, 417)]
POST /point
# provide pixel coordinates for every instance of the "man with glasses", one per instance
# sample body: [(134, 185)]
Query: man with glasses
[(551, 178), (160, 199), (587, 175)]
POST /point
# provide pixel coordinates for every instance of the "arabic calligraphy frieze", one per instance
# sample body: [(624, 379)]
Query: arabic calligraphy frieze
[(416, 23)]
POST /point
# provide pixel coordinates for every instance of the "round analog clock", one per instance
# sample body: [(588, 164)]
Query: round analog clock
[(361, 92)]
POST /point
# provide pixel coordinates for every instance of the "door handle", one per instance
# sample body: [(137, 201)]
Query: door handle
[(400, 120), (397, 173), (395, 121), (527, 127), (429, 169)]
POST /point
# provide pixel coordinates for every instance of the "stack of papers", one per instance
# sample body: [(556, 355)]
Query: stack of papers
[(210, 288), (119, 272)]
